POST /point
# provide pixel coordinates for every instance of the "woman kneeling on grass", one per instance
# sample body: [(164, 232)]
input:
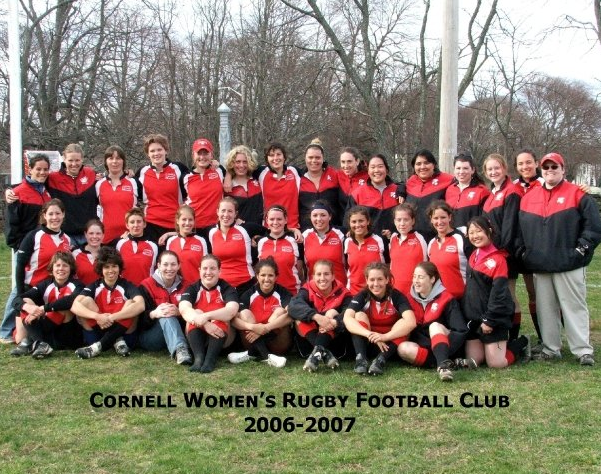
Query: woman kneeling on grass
[(441, 327), (379, 317), (263, 320), (317, 310), (208, 306), (487, 302), (48, 323), (108, 308)]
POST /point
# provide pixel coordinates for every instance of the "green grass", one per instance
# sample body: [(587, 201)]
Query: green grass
[(48, 425)]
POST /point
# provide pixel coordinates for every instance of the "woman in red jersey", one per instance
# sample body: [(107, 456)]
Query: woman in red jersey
[(208, 306), (39, 245), (280, 183), (487, 304), (263, 321), (187, 245), (352, 173), (204, 185), (86, 255), (441, 328), (467, 194), (117, 193), (232, 244), (317, 310), (379, 318), (378, 195), (280, 244), (319, 181), (360, 248), (324, 242), (108, 308), (47, 322), (427, 184), (407, 248), (162, 184), (240, 165), (449, 250)]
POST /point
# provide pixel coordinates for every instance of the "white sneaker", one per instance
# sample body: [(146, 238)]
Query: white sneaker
[(239, 357), (276, 361)]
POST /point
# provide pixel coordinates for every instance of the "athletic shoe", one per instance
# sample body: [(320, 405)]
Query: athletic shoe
[(587, 359), (121, 347), (275, 361), (360, 365), (239, 357), (377, 366), (526, 353), (468, 363), (23, 348), (312, 362), (536, 348), (182, 355), (7, 340), (546, 357), (41, 349), (89, 351), (329, 359), (445, 372)]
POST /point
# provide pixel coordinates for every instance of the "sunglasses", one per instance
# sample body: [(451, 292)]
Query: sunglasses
[(550, 167)]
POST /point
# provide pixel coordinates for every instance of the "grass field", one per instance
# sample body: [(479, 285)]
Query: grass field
[(48, 424)]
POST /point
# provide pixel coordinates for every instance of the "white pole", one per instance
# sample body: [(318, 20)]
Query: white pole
[(449, 104), (224, 132), (14, 76)]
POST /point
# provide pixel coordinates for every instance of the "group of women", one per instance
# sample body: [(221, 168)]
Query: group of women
[(336, 254)]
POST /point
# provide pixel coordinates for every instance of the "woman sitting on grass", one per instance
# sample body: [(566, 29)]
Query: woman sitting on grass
[(317, 310), (263, 321), (46, 320), (379, 318), (108, 308), (208, 306), (441, 328), (487, 302)]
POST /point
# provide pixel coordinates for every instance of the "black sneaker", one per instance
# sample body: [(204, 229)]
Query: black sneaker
[(312, 362), (468, 363), (377, 366), (329, 359), (23, 348), (89, 351), (360, 365), (41, 350), (526, 352)]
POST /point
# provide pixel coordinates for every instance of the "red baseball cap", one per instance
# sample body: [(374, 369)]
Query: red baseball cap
[(202, 144), (554, 157)]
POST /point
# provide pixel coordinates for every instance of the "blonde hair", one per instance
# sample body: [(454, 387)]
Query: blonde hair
[(231, 158), (73, 148), (497, 157)]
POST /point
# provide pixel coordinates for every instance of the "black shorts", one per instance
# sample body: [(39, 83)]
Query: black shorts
[(497, 334)]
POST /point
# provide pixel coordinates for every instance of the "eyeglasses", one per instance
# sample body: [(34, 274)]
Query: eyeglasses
[(549, 167)]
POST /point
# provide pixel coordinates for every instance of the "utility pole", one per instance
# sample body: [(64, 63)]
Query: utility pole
[(449, 88)]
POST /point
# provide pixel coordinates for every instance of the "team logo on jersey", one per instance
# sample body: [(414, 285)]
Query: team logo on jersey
[(147, 252), (451, 249), (434, 307), (471, 195), (499, 197), (170, 176), (411, 241), (435, 182), (361, 182), (127, 189), (119, 300), (212, 176), (237, 237), (329, 178), (255, 182), (84, 180), (372, 248), (196, 248), (289, 177), (561, 200), (334, 241), (490, 264), (393, 194), (286, 249)]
